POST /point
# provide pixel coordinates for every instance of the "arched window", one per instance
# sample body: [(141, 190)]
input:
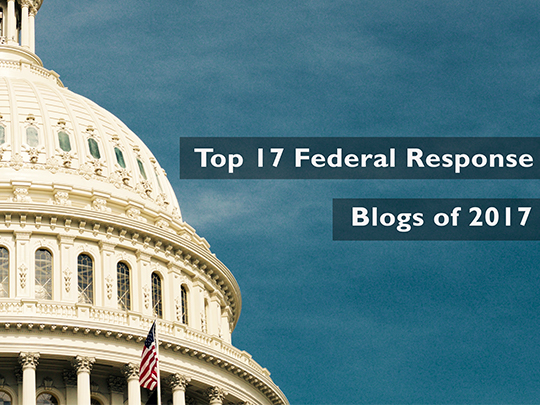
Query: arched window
[(184, 298), (94, 148), (32, 138), (94, 401), (5, 398), (120, 157), (4, 274), (157, 295), (124, 290), (46, 399), (85, 277), (43, 265), (63, 141), (158, 182), (2, 140), (141, 169)]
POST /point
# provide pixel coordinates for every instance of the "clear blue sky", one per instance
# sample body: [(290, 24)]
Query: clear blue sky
[(336, 322)]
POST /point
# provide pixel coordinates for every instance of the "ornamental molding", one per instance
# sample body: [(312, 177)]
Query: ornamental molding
[(28, 360), (146, 293), (60, 198), (83, 364), (70, 378), (149, 241), (243, 367), (116, 384), (178, 382), (215, 394), (109, 284), (23, 272), (131, 370), (20, 194), (67, 279)]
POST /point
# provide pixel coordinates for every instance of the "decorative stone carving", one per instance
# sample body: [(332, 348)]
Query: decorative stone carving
[(33, 154), (70, 378), (83, 364), (94, 387), (144, 188), (28, 360), (109, 285), (61, 198), (178, 382), (23, 271), (98, 167), (67, 279), (176, 214), (86, 171), (99, 204), (215, 394), (161, 200), (20, 194), (48, 382), (66, 158), (203, 323), (16, 162), (18, 374), (162, 224), (146, 292), (178, 307), (52, 164), (134, 213), (131, 370), (190, 401), (117, 384)]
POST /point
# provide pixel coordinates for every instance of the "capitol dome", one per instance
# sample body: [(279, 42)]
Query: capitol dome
[(93, 248)]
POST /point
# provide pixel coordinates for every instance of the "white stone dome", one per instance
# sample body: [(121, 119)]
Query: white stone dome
[(93, 248)]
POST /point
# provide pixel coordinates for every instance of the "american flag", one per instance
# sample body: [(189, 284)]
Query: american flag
[(149, 361)]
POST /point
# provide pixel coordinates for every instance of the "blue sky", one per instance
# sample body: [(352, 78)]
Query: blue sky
[(336, 322)]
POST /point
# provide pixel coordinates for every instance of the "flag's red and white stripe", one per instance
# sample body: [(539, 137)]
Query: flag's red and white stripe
[(148, 372)]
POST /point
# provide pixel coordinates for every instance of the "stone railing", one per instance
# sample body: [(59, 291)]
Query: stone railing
[(71, 316)]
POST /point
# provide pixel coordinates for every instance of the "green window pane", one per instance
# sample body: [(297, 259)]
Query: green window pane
[(183, 294), (141, 169), (156, 295), (63, 140), (43, 281), (120, 157), (94, 148), (32, 138), (2, 138), (4, 274), (124, 290), (85, 279)]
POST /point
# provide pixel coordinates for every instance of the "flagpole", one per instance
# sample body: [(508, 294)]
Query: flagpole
[(158, 375)]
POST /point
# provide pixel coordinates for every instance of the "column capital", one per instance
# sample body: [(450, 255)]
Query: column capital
[(28, 360), (83, 364), (131, 370), (117, 384), (215, 394), (178, 382)]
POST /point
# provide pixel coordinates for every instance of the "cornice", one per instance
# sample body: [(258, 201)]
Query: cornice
[(67, 222), (246, 369)]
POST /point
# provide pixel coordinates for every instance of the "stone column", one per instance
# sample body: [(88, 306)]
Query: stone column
[(24, 23), (32, 30), (117, 386), (83, 366), (29, 362), (131, 372), (11, 22), (70, 381), (178, 384), (216, 395)]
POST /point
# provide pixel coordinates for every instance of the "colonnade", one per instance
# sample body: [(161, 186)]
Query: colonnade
[(78, 389), (28, 13)]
